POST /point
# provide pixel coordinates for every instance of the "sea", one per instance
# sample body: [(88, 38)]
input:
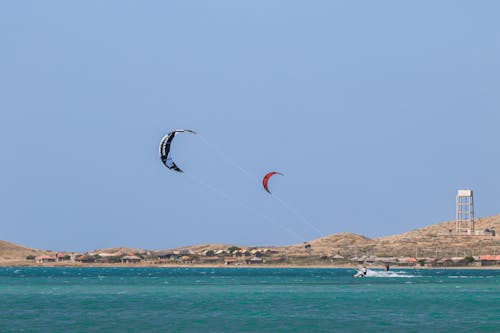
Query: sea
[(60, 299)]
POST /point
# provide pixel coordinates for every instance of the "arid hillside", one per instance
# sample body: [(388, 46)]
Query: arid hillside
[(328, 246), (13, 252), (436, 240), (439, 240)]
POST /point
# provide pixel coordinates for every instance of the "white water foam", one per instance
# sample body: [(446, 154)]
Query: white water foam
[(388, 274)]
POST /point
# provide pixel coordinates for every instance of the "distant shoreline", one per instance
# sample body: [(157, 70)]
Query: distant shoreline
[(145, 265)]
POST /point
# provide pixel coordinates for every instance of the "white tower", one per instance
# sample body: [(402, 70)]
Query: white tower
[(465, 213)]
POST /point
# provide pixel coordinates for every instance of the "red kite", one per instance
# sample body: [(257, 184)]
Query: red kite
[(265, 181)]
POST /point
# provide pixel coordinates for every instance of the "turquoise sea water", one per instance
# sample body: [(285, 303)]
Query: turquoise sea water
[(247, 300)]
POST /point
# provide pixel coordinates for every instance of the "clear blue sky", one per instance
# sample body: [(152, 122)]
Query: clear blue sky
[(377, 112)]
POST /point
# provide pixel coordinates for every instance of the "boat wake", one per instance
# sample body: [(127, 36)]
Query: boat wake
[(387, 274)]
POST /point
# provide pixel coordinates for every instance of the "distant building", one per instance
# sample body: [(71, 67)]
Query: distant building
[(210, 260), (485, 232), (488, 260), (465, 213), (63, 257), (445, 262), (132, 259), (410, 261), (45, 258), (86, 258), (338, 257), (230, 260), (254, 260)]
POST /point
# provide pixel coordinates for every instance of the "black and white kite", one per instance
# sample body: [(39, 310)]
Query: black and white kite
[(165, 149)]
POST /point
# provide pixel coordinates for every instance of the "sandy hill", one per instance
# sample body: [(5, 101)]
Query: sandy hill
[(438, 240), (435, 240), (327, 246), (321, 246), (446, 228), (13, 252), (126, 250), (206, 247)]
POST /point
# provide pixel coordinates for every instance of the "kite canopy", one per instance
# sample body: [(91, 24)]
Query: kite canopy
[(165, 149), (265, 181)]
